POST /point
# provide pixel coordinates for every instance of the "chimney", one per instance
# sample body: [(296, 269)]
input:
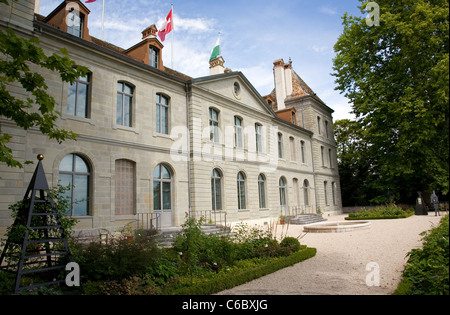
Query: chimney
[(37, 6), (283, 81), (149, 32), (216, 66)]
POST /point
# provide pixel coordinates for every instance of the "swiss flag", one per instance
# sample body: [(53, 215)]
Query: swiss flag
[(166, 28)]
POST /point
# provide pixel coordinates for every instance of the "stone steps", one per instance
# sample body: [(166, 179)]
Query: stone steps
[(304, 219)]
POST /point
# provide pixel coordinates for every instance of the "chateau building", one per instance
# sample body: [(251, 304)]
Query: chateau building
[(157, 144)]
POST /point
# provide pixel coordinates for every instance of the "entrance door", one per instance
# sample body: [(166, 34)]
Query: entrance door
[(162, 195)]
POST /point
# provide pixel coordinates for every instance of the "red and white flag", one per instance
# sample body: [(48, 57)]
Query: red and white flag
[(167, 26), (89, 1)]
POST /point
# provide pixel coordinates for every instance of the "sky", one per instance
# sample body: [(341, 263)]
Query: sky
[(253, 33)]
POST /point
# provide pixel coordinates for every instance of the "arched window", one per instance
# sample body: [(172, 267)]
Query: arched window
[(306, 192), (74, 171), (162, 188), (262, 191), (216, 190), (162, 114), (241, 190), (282, 188)]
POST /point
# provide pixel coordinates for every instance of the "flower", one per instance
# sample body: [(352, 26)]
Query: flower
[(180, 253)]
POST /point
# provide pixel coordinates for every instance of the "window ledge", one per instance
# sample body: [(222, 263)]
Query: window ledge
[(124, 128), (80, 119)]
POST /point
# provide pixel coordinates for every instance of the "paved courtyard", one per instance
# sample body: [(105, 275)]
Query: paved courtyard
[(340, 264)]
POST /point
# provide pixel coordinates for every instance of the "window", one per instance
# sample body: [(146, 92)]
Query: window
[(162, 114), (74, 171), (306, 192), (241, 191), (75, 23), (262, 191), (78, 96), (214, 125), (322, 155), (162, 188), (238, 134), (216, 190), (154, 57), (326, 128), (124, 104), (325, 192), (318, 124), (282, 188), (329, 157), (333, 189), (125, 190), (292, 144), (302, 146), (236, 89), (258, 131), (280, 145)]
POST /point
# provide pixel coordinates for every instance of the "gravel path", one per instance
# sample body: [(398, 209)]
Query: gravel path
[(339, 266)]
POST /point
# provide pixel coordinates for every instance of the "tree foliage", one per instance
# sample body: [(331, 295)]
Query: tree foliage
[(396, 75), (19, 56)]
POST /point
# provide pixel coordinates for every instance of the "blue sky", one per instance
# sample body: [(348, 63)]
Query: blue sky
[(254, 33)]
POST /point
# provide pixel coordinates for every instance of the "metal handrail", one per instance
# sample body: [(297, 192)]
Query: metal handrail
[(149, 221)]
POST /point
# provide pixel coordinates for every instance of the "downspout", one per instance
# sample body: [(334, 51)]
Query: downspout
[(314, 171), (188, 127)]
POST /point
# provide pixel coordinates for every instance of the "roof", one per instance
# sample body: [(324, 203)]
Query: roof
[(300, 90)]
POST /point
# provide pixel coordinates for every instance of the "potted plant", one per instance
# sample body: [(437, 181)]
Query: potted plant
[(282, 219), (127, 233)]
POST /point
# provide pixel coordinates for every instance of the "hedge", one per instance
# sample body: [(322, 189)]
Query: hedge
[(228, 280)]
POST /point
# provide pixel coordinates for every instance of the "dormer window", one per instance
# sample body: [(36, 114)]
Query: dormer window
[(154, 57), (75, 21)]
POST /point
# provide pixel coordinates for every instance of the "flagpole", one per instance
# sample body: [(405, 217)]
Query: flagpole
[(173, 29), (103, 17)]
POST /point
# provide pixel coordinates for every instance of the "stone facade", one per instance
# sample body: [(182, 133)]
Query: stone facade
[(216, 123)]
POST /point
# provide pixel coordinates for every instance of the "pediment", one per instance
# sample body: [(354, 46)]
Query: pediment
[(235, 87)]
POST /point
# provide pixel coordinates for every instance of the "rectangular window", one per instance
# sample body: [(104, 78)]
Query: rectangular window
[(214, 125), (162, 114), (125, 191), (292, 142), (262, 193), (280, 146), (325, 192), (77, 97), (302, 145), (239, 136), (124, 104), (75, 23), (154, 57), (258, 131)]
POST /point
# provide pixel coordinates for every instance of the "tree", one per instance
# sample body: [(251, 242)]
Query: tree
[(397, 77), (18, 56), (361, 184)]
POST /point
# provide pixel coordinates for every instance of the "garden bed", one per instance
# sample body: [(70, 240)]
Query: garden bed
[(381, 213)]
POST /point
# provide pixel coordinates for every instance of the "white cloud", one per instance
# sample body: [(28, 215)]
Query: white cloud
[(328, 10)]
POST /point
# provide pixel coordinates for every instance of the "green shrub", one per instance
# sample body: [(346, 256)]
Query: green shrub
[(427, 271), (292, 243), (115, 260)]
